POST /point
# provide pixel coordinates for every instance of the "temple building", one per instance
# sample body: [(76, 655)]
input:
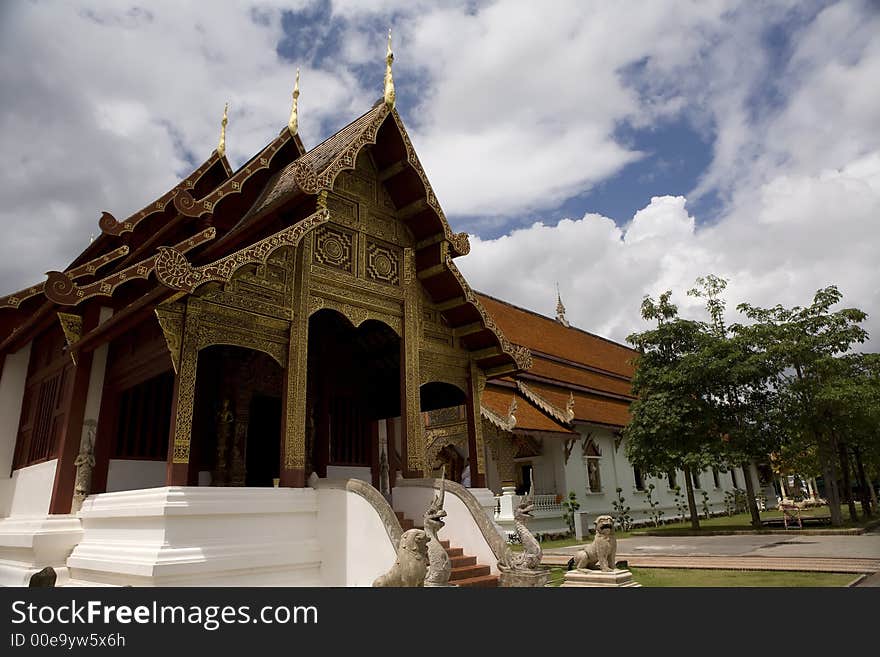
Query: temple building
[(238, 383)]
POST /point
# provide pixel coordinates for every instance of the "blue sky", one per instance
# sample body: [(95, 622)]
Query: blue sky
[(620, 149)]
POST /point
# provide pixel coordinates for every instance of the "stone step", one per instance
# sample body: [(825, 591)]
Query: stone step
[(464, 560), (468, 572), (481, 582)]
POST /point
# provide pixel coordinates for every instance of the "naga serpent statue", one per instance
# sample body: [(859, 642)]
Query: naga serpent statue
[(530, 558), (439, 565)]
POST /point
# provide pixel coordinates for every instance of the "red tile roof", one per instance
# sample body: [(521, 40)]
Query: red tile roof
[(566, 361), (542, 334)]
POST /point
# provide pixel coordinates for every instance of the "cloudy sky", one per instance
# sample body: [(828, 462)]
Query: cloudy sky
[(617, 148)]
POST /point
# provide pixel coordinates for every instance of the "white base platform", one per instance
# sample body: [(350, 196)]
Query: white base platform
[(199, 536), (29, 544)]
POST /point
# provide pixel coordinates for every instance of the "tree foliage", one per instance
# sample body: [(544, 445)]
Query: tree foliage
[(785, 382)]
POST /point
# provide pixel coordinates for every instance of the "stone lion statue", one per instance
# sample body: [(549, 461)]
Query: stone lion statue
[(412, 561), (601, 554)]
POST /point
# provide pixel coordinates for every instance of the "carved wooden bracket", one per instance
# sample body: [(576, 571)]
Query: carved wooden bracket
[(171, 316), (72, 326)]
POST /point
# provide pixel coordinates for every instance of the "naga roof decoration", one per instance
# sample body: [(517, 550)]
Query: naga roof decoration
[(565, 417), (188, 206), (110, 226), (175, 271), (520, 355), (62, 290), (509, 410), (495, 419), (86, 269)]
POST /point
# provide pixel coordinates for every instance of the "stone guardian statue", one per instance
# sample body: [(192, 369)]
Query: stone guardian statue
[(523, 568), (412, 561), (439, 565), (85, 464)]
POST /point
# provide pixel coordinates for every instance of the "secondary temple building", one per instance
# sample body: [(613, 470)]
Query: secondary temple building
[(291, 349)]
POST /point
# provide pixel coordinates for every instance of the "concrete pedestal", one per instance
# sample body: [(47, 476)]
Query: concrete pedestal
[(518, 578), (596, 578)]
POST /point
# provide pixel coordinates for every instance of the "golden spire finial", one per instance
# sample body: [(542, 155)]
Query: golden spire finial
[(293, 123), (389, 80), (221, 147)]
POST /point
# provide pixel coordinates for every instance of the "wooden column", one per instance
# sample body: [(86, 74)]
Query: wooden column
[(71, 430), (476, 447), (413, 435), (183, 400), (294, 402)]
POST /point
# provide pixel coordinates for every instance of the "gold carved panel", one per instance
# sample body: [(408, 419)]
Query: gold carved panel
[(335, 247), (382, 263), (356, 314)]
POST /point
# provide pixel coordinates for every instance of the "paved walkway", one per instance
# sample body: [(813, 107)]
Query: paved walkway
[(787, 551)]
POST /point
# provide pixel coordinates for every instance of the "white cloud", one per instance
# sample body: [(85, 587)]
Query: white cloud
[(103, 103), (810, 232)]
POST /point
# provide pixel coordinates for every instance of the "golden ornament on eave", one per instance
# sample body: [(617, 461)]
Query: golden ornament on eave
[(221, 147), (389, 79), (293, 123)]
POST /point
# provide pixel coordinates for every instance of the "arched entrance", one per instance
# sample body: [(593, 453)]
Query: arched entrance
[(237, 417), (353, 393), (446, 434)]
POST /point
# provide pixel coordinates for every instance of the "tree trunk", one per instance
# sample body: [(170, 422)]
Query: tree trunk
[(863, 485), (873, 493), (692, 505), (750, 496), (829, 473), (847, 485)]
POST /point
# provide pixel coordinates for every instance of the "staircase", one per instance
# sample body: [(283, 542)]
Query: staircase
[(466, 572)]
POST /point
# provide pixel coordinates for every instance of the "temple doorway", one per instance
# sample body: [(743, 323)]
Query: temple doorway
[(353, 388), (236, 418), (263, 441), (446, 435)]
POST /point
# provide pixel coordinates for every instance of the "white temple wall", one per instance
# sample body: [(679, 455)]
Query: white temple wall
[(350, 472), (30, 489), (12, 382), (355, 547), (616, 471), (493, 480), (132, 474)]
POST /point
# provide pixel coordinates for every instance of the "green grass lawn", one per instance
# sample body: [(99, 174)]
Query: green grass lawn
[(694, 577), (741, 521), (738, 522)]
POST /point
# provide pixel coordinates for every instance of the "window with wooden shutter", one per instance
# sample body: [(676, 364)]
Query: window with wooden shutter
[(144, 420), (46, 400)]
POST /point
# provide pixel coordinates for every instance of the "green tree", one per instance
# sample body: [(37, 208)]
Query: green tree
[(803, 348), (672, 422), (739, 382)]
